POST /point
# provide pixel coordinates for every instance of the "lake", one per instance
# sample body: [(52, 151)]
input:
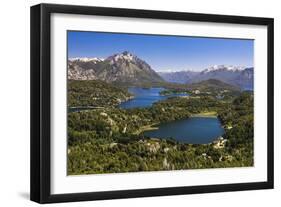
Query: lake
[(193, 130), (145, 97)]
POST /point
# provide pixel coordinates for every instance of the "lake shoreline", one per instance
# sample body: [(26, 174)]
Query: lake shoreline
[(210, 114), (147, 128)]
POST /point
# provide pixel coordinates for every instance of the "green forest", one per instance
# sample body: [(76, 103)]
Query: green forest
[(108, 139)]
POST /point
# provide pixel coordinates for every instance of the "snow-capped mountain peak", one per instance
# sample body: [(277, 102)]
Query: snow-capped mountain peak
[(122, 56), (86, 59), (230, 68), (122, 67)]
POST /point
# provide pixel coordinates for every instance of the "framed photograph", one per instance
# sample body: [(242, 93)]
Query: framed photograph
[(133, 103)]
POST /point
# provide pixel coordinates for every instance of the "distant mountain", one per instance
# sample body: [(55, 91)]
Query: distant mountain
[(246, 79), (179, 76), (213, 84), (122, 67), (237, 76)]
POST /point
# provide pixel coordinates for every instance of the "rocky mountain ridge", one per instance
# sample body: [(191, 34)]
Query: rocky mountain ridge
[(121, 67)]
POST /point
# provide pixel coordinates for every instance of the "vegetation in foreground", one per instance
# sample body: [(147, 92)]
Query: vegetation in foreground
[(110, 139)]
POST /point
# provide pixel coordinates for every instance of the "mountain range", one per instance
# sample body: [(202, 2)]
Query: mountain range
[(238, 76), (128, 68), (122, 67), (212, 84)]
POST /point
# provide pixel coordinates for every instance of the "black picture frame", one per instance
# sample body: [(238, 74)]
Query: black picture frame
[(41, 96)]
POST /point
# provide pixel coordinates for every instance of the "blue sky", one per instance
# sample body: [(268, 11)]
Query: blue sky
[(164, 53)]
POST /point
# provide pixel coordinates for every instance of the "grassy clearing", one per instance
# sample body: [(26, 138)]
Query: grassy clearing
[(206, 114)]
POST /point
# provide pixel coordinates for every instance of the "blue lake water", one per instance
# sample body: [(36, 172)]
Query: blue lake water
[(145, 97), (194, 130)]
